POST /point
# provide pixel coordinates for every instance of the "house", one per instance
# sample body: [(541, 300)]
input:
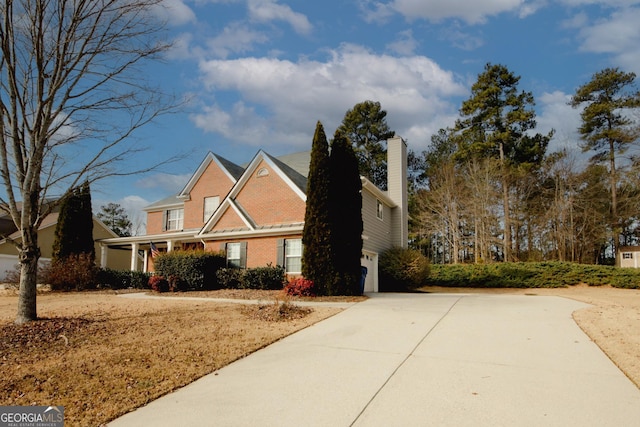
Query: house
[(628, 256), (255, 213), (118, 260)]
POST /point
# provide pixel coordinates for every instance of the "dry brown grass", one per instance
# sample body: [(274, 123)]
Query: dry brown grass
[(100, 355)]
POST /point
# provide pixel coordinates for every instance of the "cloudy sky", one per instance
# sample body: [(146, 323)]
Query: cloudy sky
[(260, 73)]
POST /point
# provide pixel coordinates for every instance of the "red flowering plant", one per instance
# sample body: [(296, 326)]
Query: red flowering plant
[(158, 283), (300, 287)]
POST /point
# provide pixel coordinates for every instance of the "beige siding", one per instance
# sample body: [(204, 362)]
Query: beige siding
[(376, 232)]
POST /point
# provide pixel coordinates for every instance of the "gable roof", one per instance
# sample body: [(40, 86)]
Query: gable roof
[(233, 172), (294, 179)]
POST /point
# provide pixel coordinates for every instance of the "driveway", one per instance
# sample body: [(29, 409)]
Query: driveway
[(416, 360)]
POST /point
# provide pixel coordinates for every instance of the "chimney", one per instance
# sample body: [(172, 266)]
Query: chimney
[(397, 189)]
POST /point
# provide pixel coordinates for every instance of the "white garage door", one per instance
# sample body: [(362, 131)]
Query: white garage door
[(370, 261)]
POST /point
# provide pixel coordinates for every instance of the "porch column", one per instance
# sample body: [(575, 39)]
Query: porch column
[(134, 256), (169, 245), (145, 267), (103, 255)]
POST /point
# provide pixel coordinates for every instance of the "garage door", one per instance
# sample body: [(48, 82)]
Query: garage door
[(370, 261)]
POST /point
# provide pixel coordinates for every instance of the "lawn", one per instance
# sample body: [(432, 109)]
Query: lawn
[(100, 355)]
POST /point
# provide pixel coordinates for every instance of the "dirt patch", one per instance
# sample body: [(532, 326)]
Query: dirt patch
[(100, 355), (612, 321)]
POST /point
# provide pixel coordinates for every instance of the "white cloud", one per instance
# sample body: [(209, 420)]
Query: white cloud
[(171, 183), (175, 12), (472, 12), (577, 21), (405, 45), (281, 100), (270, 10), (555, 113), (618, 35), (235, 38)]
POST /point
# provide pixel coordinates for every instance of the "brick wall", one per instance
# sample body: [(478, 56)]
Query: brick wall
[(269, 200), (213, 182)]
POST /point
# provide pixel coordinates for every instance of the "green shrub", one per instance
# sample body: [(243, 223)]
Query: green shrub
[(532, 275), (402, 269), (122, 279), (268, 277), (230, 278), (190, 270)]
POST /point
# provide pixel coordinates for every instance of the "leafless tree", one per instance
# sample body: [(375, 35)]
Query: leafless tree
[(72, 93)]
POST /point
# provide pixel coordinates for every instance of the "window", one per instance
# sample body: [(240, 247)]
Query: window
[(174, 219), (237, 254), (293, 256), (262, 172), (379, 209), (210, 206), (627, 255)]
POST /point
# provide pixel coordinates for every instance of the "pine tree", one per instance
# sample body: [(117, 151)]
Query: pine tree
[(115, 217), (345, 213), (608, 128), (366, 127), (74, 230), (316, 257)]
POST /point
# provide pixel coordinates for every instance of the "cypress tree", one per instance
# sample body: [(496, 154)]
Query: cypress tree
[(316, 257), (74, 230), (345, 213)]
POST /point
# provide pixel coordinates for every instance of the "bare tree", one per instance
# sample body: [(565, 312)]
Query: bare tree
[(72, 93)]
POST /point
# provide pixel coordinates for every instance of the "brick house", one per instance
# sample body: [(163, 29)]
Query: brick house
[(255, 213)]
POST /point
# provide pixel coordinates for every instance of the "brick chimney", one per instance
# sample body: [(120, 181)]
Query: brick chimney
[(397, 189)]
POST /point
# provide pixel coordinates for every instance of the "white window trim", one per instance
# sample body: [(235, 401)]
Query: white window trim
[(175, 222), (288, 256), (214, 202), (379, 210)]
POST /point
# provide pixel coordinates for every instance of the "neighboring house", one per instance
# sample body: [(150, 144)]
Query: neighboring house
[(628, 256), (255, 214), (118, 260)]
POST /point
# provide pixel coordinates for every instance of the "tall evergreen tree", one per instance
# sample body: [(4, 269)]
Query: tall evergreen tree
[(74, 230), (607, 129), (115, 217), (316, 256), (366, 127), (345, 212), (496, 123)]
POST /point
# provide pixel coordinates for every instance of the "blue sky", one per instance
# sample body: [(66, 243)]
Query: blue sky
[(259, 73)]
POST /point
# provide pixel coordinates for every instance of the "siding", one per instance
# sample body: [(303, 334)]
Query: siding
[(376, 232)]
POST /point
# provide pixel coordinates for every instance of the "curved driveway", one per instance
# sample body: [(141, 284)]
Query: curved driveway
[(416, 360)]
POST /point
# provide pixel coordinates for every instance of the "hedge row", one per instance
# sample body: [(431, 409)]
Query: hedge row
[(532, 275), (190, 270), (269, 277)]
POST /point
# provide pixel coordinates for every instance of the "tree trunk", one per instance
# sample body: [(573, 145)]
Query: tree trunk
[(505, 203), (28, 256), (615, 226)]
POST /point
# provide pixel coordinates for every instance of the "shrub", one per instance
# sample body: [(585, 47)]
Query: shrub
[(158, 284), (76, 272), (269, 277), (190, 270), (230, 278), (532, 275), (300, 287), (402, 269), (122, 279)]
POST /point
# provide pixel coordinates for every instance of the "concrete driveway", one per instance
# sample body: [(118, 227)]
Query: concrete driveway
[(416, 360)]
